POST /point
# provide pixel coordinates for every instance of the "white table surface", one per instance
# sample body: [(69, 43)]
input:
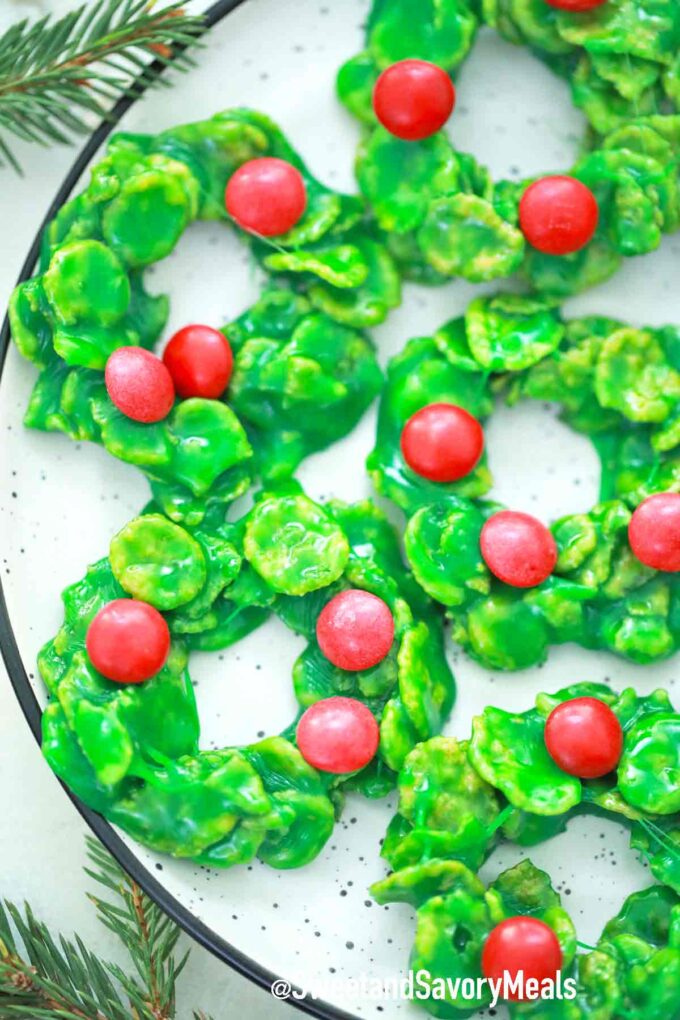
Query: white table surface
[(42, 837)]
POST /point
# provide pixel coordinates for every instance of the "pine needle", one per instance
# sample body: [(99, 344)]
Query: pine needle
[(56, 74), (43, 977)]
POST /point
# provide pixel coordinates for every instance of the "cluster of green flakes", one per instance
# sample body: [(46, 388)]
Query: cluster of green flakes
[(304, 374), (131, 752), (458, 799), (618, 385), (442, 214), (304, 371)]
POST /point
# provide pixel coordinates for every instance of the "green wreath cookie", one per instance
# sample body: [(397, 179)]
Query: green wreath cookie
[(632, 971), (619, 385), (521, 777), (125, 737), (458, 798), (302, 377), (442, 214)]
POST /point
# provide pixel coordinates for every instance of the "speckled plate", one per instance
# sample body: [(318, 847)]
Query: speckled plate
[(317, 927)]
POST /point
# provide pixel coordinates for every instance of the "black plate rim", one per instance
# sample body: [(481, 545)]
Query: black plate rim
[(103, 830)]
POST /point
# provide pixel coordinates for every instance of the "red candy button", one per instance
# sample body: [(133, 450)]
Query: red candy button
[(442, 442), (521, 944), (558, 215), (584, 737), (518, 549), (575, 5), (338, 735), (139, 384), (266, 196), (200, 361), (413, 98), (128, 641), (355, 630), (654, 531)]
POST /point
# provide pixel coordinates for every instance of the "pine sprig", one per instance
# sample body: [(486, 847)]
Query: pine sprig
[(54, 73), (43, 978), (147, 933)]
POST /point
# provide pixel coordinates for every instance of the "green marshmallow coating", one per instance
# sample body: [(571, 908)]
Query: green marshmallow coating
[(294, 546), (85, 281), (451, 817), (158, 562), (649, 770)]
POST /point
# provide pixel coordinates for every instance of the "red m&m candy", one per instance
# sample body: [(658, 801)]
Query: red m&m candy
[(558, 215), (584, 737), (355, 630), (575, 5), (200, 361), (522, 944), (442, 442), (139, 384), (518, 549), (338, 735), (654, 531), (128, 641), (266, 196), (413, 98)]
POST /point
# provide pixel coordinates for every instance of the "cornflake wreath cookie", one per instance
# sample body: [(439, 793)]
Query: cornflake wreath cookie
[(442, 214), (122, 730), (618, 384), (472, 944), (521, 777), (301, 379)]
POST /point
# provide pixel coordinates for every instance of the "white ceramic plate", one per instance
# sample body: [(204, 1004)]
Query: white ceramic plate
[(317, 927)]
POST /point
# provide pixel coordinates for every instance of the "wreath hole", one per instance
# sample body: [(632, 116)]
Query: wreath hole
[(539, 464), (517, 120), (212, 253), (259, 667)]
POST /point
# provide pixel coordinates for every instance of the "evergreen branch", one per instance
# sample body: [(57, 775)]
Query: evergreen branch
[(43, 978), (147, 933), (54, 74)]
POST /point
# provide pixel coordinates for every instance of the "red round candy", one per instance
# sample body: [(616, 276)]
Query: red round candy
[(575, 5), (584, 737), (442, 442), (338, 735), (128, 641), (522, 944), (200, 361), (355, 630), (266, 196), (558, 215), (518, 549), (654, 532), (139, 384), (413, 98)]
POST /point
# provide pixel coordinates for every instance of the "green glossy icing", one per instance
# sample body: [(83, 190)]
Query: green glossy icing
[(509, 752), (301, 380), (294, 545)]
